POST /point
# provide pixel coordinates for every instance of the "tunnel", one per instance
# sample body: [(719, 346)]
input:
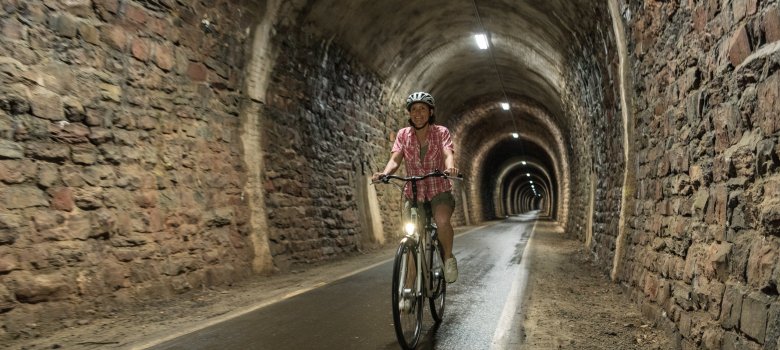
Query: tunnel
[(154, 147)]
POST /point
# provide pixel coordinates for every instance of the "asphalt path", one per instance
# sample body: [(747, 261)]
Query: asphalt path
[(482, 309)]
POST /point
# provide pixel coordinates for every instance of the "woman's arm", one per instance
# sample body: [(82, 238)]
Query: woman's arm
[(449, 162), (392, 165)]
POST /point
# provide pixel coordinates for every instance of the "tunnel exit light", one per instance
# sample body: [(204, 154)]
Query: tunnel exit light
[(516, 135), (505, 106), (481, 41)]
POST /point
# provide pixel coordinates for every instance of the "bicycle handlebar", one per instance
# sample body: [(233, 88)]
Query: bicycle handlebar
[(435, 173)]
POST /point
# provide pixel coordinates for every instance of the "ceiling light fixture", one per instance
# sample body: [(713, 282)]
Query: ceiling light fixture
[(482, 41), (505, 106), (495, 66), (515, 135)]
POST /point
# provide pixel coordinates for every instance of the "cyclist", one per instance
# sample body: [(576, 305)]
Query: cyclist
[(427, 147)]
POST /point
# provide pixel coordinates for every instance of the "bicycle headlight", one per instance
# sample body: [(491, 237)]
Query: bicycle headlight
[(409, 228)]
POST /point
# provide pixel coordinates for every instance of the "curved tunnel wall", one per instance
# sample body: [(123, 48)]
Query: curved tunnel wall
[(149, 148)]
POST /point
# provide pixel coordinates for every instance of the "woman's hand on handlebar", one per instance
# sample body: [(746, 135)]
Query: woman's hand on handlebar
[(378, 177), (453, 172)]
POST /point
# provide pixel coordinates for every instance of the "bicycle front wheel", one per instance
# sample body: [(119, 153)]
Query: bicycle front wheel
[(406, 302), (438, 287)]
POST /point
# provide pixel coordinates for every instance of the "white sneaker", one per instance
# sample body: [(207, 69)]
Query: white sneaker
[(451, 270)]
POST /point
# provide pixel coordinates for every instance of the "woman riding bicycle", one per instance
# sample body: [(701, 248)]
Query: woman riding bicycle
[(427, 147)]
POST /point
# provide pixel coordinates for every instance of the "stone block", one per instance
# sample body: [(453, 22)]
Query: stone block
[(62, 198), (768, 104), (164, 57), (701, 198), (765, 157), (89, 33), (13, 29), (7, 300), (10, 221), (772, 340), (140, 49), (754, 315), (197, 71), (114, 36), (717, 206), (739, 46), (16, 171), (20, 197), (770, 217), (65, 25), (770, 24), (717, 255), (761, 263), (84, 154), (110, 92), (711, 339), (36, 288), (48, 151), (46, 104), (106, 6), (89, 198), (725, 122), (48, 175), (739, 9), (68, 132), (721, 168), (136, 14), (731, 307), (735, 341)]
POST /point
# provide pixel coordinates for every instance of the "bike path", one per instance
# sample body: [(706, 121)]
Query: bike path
[(354, 312)]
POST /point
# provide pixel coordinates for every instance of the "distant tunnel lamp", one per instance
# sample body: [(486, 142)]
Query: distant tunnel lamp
[(515, 135), (481, 41), (505, 106), (524, 163), (528, 174)]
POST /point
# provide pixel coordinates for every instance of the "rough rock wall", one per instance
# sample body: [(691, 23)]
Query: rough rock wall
[(326, 126), (704, 236), (597, 136), (120, 168)]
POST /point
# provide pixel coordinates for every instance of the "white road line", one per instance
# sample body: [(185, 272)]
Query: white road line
[(505, 324)]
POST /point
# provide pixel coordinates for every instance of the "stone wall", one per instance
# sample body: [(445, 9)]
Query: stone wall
[(327, 125), (120, 167), (597, 137), (703, 237)]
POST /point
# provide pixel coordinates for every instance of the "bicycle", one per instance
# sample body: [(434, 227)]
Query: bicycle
[(418, 269)]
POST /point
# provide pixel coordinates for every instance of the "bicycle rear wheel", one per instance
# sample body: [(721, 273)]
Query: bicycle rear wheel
[(407, 304), (438, 286)]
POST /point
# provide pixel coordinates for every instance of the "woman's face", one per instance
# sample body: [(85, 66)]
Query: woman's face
[(419, 113)]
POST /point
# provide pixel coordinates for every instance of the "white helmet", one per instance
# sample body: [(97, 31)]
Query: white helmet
[(423, 97)]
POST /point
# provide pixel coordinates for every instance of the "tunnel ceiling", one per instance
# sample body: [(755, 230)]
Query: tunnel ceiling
[(429, 45)]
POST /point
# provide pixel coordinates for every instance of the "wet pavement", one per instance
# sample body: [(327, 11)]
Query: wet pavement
[(482, 310)]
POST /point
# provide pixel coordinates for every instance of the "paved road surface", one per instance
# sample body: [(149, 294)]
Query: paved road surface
[(482, 310)]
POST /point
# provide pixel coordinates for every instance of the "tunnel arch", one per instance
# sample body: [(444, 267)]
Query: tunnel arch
[(537, 127), (505, 190)]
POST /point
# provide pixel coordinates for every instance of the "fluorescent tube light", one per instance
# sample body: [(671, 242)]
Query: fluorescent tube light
[(481, 41)]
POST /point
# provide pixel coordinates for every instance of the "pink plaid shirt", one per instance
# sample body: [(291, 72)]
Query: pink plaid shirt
[(438, 140)]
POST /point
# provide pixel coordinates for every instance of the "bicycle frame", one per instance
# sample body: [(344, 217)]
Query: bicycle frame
[(420, 243)]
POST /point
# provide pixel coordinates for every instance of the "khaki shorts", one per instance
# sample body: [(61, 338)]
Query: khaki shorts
[(444, 198)]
